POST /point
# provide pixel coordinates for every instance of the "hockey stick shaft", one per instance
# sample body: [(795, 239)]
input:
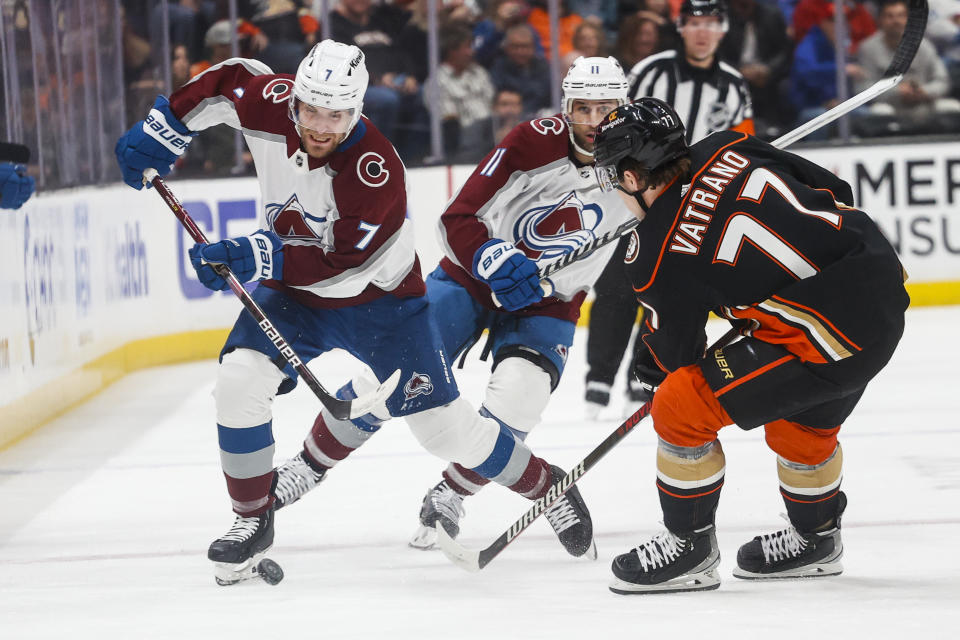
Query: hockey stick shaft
[(472, 560), (902, 57), (341, 409)]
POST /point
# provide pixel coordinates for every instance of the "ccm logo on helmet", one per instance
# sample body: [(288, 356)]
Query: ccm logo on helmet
[(372, 170), (277, 90)]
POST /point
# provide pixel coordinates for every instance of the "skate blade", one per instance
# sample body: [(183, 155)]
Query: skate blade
[(817, 570), (705, 581), (424, 539), (258, 566), (591, 553)]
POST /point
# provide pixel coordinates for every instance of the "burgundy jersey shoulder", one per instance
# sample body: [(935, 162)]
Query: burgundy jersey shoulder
[(537, 142), (264, 105)]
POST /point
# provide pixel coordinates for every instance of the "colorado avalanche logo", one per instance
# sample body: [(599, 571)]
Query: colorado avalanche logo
[(419, 384), (277, 90), (562, 350), (552, 231), (292, 223)]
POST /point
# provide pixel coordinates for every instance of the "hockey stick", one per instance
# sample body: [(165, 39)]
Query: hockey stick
[(473, 560), (902, 57), (341, 409)]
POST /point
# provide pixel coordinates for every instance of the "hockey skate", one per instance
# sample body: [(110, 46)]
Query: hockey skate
[(441, 505), (790, 554), (669, 563), (239, 554), (597, 398), (571, 521), (295, 477)]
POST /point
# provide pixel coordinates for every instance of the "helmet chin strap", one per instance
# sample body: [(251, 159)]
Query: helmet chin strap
[(573, 139)]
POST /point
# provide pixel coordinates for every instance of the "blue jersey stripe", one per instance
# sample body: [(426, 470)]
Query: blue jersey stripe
[(246, 440), (499, 457)]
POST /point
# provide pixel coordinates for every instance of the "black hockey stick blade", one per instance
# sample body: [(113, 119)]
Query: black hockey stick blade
[(476, 560), (912, 37)]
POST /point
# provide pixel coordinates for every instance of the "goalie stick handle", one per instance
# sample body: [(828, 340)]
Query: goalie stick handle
[(474, 561), (902, 58), (339, 408)]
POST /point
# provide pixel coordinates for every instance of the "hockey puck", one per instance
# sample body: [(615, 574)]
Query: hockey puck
[(270, 571)]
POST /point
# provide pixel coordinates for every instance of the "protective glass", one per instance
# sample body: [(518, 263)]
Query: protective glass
[(321, 119)]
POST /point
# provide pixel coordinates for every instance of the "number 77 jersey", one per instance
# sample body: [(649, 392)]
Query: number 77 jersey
[(768, 239)]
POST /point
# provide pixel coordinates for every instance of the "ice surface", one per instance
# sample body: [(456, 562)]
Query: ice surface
[(107, 513)]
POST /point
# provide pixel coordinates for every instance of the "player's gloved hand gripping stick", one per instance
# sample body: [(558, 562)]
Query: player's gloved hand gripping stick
[(341, 409)]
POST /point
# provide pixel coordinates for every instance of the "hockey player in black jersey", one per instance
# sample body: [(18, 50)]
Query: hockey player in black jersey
[(772, 242)]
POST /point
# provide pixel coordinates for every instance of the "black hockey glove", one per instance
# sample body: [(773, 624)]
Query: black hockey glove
[(646, 376)]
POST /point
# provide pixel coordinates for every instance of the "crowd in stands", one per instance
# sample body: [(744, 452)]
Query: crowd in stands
[(494, 59)]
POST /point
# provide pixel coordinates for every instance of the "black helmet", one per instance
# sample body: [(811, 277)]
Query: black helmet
[(704, 8), (647, 130)]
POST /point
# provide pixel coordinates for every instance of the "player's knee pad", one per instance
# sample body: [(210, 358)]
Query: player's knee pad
[(685, 411), (801, 482), (455, 432), (517, 394), (801, 444), (690, 468), (247, 383)]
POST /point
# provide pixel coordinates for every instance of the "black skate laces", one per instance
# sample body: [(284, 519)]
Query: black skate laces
[(665, 547), (242, 528)]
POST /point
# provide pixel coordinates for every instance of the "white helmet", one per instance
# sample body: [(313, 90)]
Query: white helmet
[(332, 76), (594, 79)]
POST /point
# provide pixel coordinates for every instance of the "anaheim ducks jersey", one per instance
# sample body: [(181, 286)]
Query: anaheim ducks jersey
[(770, 241), (531, 192), (342, 219)]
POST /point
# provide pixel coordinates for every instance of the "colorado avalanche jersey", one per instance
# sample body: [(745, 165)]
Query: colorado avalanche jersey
[(531, 192), (342, 219)]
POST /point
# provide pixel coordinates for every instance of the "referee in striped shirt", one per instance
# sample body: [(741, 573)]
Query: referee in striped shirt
[(710, 96)]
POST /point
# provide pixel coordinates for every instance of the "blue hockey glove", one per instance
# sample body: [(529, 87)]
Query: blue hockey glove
[(153, 143), (512, 276), (255, 257), (16, 186)]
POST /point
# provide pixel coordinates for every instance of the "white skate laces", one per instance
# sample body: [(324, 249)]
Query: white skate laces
[(295, 478), (664, 548), (782, 545), (561, 515), (242, 529), (447, 502)]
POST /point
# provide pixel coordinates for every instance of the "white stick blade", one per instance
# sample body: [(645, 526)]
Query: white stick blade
[(457, 553), (362, 405)]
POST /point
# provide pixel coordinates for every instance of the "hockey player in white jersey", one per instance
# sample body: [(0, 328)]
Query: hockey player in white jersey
[(531, 200), (338, 269)]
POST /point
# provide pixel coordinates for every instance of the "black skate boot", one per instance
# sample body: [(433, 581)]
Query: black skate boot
[(669, 563), (237, 554), (570, 519), (790, 554), (597, 397), (444, 506), (295, 477)]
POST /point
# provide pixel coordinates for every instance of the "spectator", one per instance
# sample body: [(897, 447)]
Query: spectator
[(507, 113), (567, 23), (488, 34), (603, 13), (943, 25), (393, 101), (180, 66), (219, 42), (921, 95), (758, 46), (663, 14), (589, 41), (462, 93), (813, 77), (808, 13), (519, 68), (638, 38), (413, 35)]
